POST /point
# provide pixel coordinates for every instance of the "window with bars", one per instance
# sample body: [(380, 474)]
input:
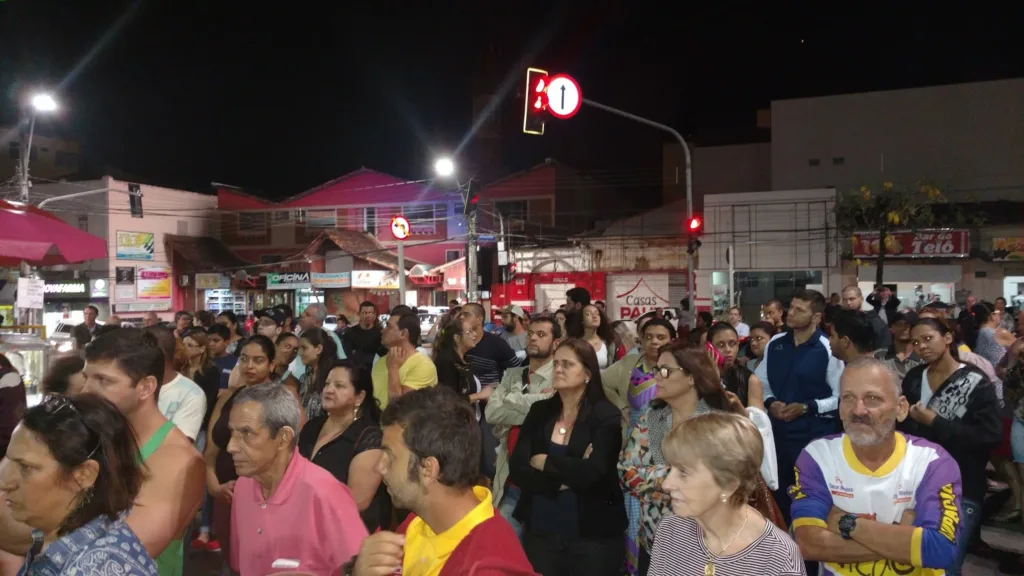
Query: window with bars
[(423, 217), (370, 220)]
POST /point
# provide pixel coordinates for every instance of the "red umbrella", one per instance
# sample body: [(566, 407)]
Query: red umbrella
[(38, 237)]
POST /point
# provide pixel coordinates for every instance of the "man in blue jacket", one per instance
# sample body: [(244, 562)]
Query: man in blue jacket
[(801, 386)]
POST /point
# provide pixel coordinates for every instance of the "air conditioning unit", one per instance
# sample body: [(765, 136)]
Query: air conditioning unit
[(184, 280)]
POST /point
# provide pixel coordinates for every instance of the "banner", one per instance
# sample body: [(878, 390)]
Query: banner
[(1004, 249), (331, 279), (375, 279), (208, 281), (632, 295), (920, 244), (134, 245), (124, 283), (287, 280), (154, 283)]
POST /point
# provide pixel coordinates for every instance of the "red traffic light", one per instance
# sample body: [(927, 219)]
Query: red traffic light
[(535, 103), (695, 225)]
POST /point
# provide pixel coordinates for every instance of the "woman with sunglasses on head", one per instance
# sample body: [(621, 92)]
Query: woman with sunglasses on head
[(72, 474), (954, 405)]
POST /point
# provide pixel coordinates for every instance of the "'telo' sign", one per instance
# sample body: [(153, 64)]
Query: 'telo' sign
[(920, 244)]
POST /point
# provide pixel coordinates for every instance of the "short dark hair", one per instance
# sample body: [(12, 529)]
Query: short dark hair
[(93, 308), (774, 303), (556, 328), (579, 295), (135, 352), (180, 313), (474, 308), (438, 423), (411, 323), (89, 427), (219, 330), (56, 379), (816, 299), (367, 304), (402, 309), (998, 298), (854, 325), (164, 338)]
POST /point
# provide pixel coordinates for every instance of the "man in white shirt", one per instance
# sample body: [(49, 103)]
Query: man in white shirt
[(736, 320), (179, 399)]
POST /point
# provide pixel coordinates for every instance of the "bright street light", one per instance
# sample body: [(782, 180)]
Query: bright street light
[(444, 167), (44, 103)]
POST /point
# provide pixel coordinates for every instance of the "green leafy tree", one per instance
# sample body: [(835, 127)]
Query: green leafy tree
[(886, 210)]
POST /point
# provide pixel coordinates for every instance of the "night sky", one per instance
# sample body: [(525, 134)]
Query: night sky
[(280, 97)]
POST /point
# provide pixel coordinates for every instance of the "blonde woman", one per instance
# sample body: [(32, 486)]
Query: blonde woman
[(715, 461)]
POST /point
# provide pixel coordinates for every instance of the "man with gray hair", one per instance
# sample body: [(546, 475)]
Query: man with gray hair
[(312, 318), (874, 500), (279, 494)]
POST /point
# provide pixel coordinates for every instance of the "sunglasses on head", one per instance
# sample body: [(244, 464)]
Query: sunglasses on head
[(54, 403)]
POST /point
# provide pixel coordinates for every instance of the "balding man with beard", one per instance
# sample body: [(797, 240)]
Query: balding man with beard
[(874, 500)]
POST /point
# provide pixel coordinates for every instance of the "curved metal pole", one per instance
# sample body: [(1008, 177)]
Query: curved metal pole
[(689, 181)]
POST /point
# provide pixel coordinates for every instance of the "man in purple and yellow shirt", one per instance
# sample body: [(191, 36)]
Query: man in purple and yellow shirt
[(872, 500)]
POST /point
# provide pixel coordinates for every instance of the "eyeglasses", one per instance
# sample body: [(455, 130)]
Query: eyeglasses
[(54, 403), (666, 371)]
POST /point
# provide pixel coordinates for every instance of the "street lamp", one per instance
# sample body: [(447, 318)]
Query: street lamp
[(444, 167), (42, 103)]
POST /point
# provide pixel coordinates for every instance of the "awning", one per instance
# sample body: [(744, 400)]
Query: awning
[(204, 254), (358, 245)]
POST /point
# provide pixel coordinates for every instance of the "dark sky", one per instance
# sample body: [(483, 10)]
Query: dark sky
[(282, 96)]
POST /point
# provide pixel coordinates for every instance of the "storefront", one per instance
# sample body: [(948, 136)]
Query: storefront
[(920, 267), (633, 295), (298, 285), (65, 300), (1010, 252), (336, 288)]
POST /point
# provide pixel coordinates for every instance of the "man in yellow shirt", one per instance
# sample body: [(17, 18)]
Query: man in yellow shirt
[(403, 369)]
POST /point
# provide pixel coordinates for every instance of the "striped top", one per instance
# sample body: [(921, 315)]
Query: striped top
[(679, 551)]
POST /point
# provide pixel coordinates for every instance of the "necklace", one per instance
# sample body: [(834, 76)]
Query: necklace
[(709, 568)]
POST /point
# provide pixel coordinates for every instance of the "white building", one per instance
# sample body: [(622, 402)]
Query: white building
[(140, 273), (779, 241)]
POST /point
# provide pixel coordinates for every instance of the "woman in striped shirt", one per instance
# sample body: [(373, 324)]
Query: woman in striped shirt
[(716, 460)]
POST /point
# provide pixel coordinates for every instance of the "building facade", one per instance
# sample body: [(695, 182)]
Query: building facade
[(142, 272)]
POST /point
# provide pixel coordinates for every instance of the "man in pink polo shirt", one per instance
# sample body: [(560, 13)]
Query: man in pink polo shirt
[(288, 515)]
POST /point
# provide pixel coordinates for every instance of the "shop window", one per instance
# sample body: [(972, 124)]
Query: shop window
[(423, 218), (451, 255), (370, 220)]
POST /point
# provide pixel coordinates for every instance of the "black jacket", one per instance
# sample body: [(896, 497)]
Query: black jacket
[(595, 480), (883, 337), (968, 426), (892, 305)]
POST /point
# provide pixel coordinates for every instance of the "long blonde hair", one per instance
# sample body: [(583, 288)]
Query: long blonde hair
[(193, 367)]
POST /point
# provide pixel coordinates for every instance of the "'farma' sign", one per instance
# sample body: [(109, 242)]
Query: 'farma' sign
[(633, 295)]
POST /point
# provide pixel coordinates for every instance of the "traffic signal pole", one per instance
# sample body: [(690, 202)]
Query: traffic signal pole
[(689, 180)]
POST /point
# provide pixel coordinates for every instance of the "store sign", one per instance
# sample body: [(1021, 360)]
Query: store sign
[(375, 279), (75, 289), (135, 245), (1008, 249), (209, 281), (154, 283), (633, 295), (99, 288), (920, 244), (331, 279), (124, 283), (287, 280)]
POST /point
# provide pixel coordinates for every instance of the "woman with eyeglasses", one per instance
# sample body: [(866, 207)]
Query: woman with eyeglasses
[(564, 464), (687, 384), (72, 474), (629, 384), (760, 334), (450, 351), (255, 366)]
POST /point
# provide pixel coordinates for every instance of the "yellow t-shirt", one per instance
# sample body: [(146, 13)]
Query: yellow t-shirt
[(417, 372), (426, 552)]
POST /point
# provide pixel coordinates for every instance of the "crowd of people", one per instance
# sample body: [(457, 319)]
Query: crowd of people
[(821, 439)]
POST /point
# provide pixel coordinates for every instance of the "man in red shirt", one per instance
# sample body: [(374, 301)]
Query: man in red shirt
[(431, 465)]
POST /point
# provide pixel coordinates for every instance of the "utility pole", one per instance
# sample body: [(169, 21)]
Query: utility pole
[(26, 153), (471, 271)]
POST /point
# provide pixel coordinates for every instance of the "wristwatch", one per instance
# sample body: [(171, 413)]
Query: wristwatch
[(847, 523)]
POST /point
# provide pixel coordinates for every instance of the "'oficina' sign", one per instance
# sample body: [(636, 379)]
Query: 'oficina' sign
[(288, 280)]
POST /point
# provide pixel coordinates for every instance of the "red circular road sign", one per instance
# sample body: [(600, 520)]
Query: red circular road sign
[(400, 227), (564, 96)]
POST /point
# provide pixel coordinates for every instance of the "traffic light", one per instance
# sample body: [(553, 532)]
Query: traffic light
[(473, 204), (535, 101), (694, 228)]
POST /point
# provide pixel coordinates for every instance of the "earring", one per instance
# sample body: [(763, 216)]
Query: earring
[(84, 498), (355, 413), (725, 497)]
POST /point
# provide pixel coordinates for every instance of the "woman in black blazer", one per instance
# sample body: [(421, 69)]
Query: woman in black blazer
[(565, 465)]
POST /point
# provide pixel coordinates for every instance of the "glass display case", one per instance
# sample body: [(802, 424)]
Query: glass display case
[(30, 356)]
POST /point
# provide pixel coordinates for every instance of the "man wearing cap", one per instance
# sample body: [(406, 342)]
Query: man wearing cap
[(514, 319), (270, 322)]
